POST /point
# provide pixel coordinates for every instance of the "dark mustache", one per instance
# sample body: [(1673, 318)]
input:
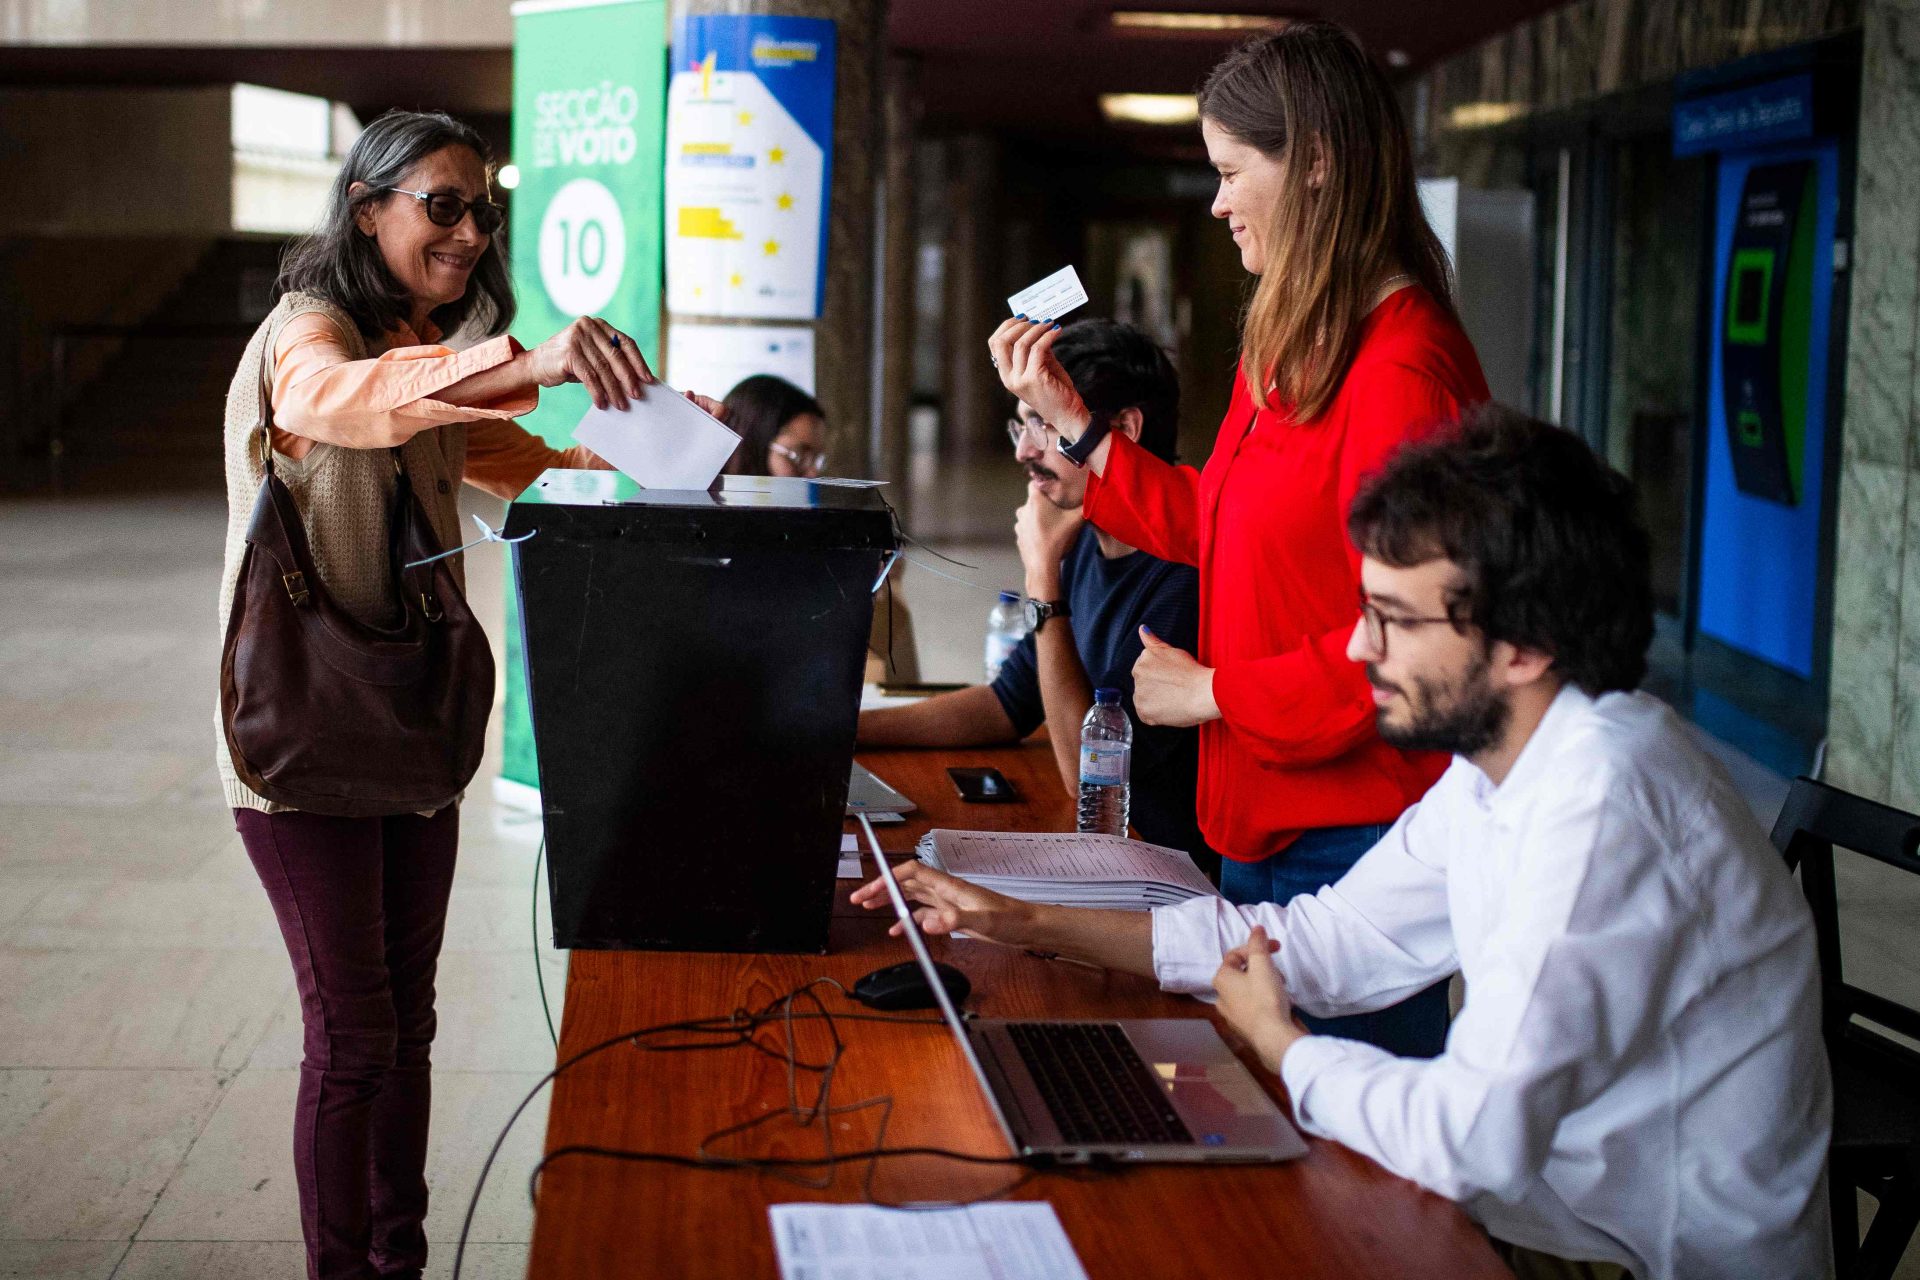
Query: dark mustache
[(1373, 678), (1041, 473)]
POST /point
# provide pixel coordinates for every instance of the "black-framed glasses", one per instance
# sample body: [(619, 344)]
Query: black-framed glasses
[(444, 209), (808, 461), (1377, 623)]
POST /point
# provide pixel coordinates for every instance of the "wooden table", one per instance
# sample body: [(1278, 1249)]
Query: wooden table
[(1331, 1214)]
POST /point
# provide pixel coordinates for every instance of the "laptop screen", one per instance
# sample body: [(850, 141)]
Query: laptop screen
[(911, 929)]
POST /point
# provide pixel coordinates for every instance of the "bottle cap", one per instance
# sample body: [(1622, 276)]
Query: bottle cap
[(1106, 697), (1009, 597)]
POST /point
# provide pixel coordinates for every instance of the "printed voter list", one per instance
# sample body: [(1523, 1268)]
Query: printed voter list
[(1051, 298)]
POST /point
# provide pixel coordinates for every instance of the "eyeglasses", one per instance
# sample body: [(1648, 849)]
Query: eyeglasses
[(809, 461), (1029, 431), (444, 209), (1378, 622)]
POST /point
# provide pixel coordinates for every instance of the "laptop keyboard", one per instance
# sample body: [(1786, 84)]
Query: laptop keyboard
[(1095, 1085)]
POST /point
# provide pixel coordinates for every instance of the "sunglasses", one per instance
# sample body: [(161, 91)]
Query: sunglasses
[(446, 210)]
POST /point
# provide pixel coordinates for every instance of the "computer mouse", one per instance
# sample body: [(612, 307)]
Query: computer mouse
[(904, 986)]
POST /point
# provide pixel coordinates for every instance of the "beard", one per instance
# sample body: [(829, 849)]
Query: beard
[(1463, 716)]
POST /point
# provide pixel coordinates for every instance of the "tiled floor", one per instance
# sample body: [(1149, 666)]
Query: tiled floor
[(148, 1025), (149, 1030)]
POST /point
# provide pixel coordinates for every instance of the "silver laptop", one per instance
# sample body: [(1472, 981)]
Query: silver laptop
[(867, 792), (1139, 1089)]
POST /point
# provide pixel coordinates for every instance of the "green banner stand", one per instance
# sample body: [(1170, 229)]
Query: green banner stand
[(589, 126)]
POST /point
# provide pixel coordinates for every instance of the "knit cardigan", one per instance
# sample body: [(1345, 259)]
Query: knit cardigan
[(343, 496)]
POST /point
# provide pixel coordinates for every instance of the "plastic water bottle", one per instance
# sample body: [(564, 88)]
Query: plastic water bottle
[(1006, 628), (1106, 758)]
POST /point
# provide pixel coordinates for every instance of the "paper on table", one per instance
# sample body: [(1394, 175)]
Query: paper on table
[(1069, 857), (1020, 1241), (1051, 298), (662, 439), (850, 858)]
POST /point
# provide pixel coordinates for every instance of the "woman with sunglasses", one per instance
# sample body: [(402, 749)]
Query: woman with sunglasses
[(360, 388), (1349, 348)]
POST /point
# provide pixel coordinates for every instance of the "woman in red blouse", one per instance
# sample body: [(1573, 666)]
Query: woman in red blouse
[(1349, 348)]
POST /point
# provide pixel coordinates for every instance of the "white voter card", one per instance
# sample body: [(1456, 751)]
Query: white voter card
[(1051, 298)]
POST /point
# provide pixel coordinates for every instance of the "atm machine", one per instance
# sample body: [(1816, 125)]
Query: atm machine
[(1764, 356), (1776, 129)]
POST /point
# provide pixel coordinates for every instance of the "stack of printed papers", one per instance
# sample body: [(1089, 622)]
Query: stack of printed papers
[(1068, 869), (1018, 1241)]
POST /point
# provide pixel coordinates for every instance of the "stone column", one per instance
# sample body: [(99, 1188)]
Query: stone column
[(973, 178), (898, 261), (843, 334), (1873, 745)]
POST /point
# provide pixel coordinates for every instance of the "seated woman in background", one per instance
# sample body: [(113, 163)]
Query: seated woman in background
[(783, 432)]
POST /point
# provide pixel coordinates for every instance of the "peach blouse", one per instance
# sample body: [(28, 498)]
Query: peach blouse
[(322, 395)]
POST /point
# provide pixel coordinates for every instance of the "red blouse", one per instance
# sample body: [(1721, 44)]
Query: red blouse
[(1265, 523)]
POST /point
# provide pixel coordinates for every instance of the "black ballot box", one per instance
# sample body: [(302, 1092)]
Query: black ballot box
[(694, 662)]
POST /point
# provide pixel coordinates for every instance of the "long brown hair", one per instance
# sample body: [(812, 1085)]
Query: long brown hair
[(1304, 96)]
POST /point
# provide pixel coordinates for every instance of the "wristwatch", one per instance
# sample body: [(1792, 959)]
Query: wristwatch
[(1077, 452), (1038, 611)]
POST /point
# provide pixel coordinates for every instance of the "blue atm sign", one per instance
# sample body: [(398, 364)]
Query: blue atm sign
[(1778, 111)]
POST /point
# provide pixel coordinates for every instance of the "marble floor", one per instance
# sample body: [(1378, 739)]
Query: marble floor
[(149, 1030)]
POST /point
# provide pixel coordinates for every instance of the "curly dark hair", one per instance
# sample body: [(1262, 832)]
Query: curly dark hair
[(344, 267), (1554, 553), (1116, 366)]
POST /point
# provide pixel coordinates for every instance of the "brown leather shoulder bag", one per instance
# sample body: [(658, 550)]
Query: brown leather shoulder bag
[(325, 714)]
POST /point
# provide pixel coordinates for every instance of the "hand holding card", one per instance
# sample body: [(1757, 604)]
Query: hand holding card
[(1022, 350), (1050, 298)]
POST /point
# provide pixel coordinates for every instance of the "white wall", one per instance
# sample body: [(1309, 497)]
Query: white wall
[(446, 23)]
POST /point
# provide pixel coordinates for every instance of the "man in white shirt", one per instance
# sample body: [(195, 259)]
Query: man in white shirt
[(1637, 1076)]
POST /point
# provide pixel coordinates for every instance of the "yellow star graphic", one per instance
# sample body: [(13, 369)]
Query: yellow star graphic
[(777, 156), (785, 201), (772, 247), (746, 117), (734, 279)]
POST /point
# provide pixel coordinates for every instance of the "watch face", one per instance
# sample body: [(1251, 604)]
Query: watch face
[(1031, 608)]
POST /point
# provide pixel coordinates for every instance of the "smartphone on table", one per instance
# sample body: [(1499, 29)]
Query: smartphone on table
[(983, 786)]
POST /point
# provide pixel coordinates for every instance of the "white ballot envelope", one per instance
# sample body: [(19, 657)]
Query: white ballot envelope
[(1051, 298), (661, 439)]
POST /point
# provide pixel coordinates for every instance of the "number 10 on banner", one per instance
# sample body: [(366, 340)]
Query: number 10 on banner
[(583, 247)]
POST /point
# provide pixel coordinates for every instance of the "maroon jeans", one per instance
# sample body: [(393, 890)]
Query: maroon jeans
[(362, 904)]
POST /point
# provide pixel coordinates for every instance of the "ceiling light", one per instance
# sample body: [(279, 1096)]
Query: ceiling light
[(1160, 22), (1397, 58), (509, 176), (1477, 115), (1150, 108)]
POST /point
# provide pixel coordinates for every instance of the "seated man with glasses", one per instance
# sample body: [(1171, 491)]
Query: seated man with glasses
[(1088, 597), (1636, 1079)]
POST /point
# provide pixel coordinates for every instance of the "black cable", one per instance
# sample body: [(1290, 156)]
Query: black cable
[(539, 974), (733, 1030)]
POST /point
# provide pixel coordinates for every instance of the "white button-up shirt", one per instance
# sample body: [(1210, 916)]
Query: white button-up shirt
[(1637, 1075)]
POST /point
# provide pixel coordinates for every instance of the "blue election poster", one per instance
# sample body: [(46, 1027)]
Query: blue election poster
[(748, 156)]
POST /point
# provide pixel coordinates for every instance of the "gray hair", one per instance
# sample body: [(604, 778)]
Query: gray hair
[(344, 267)]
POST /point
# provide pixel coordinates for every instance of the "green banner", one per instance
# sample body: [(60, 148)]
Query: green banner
[(589, 122)]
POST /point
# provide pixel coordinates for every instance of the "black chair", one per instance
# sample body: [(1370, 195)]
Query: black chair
[(1876, 1079)]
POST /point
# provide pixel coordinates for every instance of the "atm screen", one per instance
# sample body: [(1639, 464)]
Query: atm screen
[(1750, 297), (1751, 291)]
